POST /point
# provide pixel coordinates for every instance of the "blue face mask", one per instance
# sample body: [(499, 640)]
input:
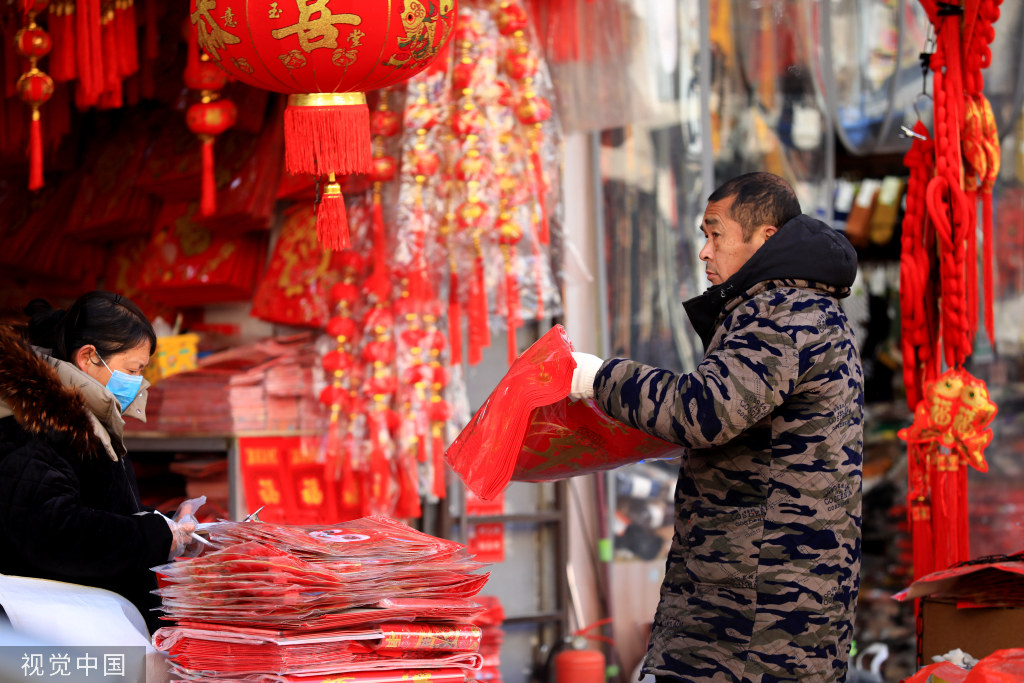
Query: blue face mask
[(123, 386)]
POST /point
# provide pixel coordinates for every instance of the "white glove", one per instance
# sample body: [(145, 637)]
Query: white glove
[(587, 366)]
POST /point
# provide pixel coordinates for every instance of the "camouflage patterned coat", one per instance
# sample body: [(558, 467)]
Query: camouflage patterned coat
[(762, 577)]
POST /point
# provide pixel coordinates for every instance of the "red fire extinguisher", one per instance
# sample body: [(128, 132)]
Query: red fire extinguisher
[(579, 666)]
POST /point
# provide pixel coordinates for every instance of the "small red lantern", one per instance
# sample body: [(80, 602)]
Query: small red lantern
[(325, 54)]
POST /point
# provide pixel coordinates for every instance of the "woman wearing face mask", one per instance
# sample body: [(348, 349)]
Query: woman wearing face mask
[(69, 502)]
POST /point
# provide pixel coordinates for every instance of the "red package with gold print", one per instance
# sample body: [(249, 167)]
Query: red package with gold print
[(529, 430)]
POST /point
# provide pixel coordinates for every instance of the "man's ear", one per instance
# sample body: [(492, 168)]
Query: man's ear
[(768, 230)]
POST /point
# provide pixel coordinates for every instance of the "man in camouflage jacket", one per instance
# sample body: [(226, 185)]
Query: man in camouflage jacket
[(762, 577)]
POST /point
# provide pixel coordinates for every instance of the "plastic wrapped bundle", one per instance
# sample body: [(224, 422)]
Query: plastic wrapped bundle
[(529, 430)]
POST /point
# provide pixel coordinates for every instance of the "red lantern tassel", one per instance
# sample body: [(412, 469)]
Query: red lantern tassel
[(62, 58), (945, 495), (438, 451), (921, 537), (90, 53), (35, 152), (128, 43), (208, 196), (479, 331), (454, 317), (542, 208), (381, 475), (379, 282), (408, 504), (111, 68), (972, 267), (512, 312), (331, 219), (151, 33), (986, 255), (962, 531), (421, 448), (327, 133)]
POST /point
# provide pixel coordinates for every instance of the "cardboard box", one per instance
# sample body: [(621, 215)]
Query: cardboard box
[(978, 631), (174, 354)]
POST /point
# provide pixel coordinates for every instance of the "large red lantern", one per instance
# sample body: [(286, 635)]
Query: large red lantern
[(325, 54)]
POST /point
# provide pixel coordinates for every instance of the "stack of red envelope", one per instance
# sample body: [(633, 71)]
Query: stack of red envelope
[(491, 638), (273, 602)]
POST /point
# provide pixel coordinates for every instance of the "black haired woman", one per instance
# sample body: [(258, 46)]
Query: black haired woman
[(69, 503)]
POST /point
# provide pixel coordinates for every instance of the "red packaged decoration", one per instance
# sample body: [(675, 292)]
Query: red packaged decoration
[(187, 265), (529, 430), (293, 290)]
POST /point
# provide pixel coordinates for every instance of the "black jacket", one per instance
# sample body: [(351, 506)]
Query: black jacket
[(68, 502)]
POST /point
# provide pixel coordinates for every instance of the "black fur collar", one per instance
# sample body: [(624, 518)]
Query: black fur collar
[(42, 405)]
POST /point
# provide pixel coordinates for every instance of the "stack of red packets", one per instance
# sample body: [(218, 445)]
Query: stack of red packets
[(373, 599)]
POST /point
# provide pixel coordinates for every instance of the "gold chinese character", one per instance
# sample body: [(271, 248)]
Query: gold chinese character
[(312, 494), (275, 11), (211, 37), (229, 18), (268, 492), (315, 26)]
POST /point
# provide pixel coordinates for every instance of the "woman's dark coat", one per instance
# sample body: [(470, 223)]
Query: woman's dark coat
[(69, 501)]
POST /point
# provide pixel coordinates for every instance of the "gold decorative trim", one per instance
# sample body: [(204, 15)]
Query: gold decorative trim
[(326, 99)]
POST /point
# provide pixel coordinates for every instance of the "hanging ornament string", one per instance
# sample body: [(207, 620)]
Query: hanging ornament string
[(34, 86), (473, 171), (948, 206), (525, 70), (917, 325), (341, 394), (521, 64), (981, 145), (207, 118)]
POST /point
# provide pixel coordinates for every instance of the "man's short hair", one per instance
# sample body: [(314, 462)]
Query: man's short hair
[(759, 198)]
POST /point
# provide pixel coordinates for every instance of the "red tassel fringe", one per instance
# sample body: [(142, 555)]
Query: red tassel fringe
[(512, 314), (438, 449), (332, 222), (479, 330), (90, 53), (454, 319), (320, 140), (62, 31), (545, 230), (35, 153), (128, 42), (208, 197), (986, 255), (972, 269)]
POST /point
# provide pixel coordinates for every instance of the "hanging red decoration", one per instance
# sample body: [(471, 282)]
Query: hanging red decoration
[(325, 54), (34, 86), (209, 117), (949, 433)]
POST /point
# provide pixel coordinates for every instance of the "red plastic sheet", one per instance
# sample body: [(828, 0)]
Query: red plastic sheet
[(529, 430), (1002, 666)]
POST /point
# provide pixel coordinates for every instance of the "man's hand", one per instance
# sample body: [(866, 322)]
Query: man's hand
[(587, 366)]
